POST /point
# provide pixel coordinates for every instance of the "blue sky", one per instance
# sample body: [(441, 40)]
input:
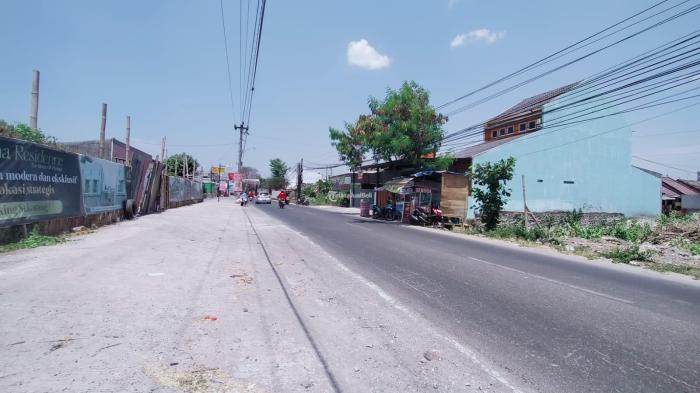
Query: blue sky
[(163, 63)]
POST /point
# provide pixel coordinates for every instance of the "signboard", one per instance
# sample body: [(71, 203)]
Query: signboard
[(232, 176), (104, 184), (181, 189), (37, 183), (219, 170), (223, 186)]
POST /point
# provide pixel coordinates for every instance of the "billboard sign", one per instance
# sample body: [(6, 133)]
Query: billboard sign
[(37, 183)]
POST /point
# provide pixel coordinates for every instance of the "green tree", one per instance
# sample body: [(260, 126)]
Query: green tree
[(405, 125), (350, 145), (250, 172), (401, 126), (278, 170), (25, 133), (489, 189), (176, 164)]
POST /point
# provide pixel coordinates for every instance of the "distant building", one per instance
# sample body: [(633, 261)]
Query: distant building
[(680, 195), (524, 117), (582, 165)]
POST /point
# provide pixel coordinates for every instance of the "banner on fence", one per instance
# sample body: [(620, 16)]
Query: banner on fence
[(104, 185), (37, 183), (182, 189)]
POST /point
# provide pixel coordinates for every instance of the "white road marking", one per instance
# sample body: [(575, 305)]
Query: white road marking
[(471, 354), (609, 297)]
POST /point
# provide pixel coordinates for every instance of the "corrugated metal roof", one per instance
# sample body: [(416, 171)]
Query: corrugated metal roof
[(678, 187), (537, 101), (475, 150)]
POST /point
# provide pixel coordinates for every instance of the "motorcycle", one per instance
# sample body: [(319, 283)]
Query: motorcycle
[(281, 203), (387, 213)]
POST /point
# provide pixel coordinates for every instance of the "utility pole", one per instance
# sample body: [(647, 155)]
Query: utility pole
[(103, 127), (128, 139), (34, 112), (524, 204), (162, 149), (184, 166), (300, 179), (243, 129)]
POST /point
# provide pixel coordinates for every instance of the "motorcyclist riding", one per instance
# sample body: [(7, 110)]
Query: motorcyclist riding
[(282, 198)]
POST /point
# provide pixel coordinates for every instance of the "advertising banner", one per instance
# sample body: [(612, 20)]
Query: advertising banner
[(184, 190), (104, 185), (37, 183)]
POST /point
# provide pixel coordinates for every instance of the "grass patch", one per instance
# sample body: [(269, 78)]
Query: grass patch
[(682, 269), (627, 255), (34, 240)]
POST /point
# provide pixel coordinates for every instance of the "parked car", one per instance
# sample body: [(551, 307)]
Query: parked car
[(263, 197)]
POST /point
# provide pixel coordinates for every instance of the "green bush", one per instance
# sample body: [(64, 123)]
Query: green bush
[(35, 239), (673, 218), (627, 255)]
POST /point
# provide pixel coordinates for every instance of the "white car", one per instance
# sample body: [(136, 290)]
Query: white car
[(263, 197)]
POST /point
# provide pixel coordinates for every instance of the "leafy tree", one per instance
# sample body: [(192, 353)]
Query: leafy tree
[(350, 145), (25, 133), (489, 189), (279, 170), (250, 172), (176, 165), (402, 125), (405, 125)]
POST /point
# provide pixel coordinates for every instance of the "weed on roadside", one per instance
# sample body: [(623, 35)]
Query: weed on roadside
[(627, 255), (682, 269), (35, 239)]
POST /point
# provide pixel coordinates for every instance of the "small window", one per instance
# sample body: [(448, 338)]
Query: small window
[(540, 180), (532, 125), (494, 134), (86, 189), (522, 127), (568, 182), (502, 131), (94, 187), (510, 129)]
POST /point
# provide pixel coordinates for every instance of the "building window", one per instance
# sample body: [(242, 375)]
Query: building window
[(568, 182), (94, 187), (510, 129), (502, 131), (494, 134), (532, 125), (540, 180), (86, 189), (522, 127)]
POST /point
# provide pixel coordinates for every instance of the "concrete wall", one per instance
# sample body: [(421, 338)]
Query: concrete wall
[(594, 155)]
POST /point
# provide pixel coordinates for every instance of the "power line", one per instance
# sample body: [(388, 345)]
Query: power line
[(665, 165), (228, 63), (576, 60)]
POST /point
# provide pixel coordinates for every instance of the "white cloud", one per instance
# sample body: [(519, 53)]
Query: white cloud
[(486, 35), (362, 54)]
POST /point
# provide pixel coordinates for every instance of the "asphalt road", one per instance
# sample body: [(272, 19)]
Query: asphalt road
[(549, 323)]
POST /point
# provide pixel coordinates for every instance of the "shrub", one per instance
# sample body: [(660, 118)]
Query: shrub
[(627, 255)]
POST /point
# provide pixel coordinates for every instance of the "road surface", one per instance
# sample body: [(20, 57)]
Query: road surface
[(547, 322), (215, 297)]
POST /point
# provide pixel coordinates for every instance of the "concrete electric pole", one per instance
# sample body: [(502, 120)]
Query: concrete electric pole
[(103, 127), (128, 140), (34, 111)]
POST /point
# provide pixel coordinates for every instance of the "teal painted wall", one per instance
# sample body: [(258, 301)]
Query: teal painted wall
[(594, 155)]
